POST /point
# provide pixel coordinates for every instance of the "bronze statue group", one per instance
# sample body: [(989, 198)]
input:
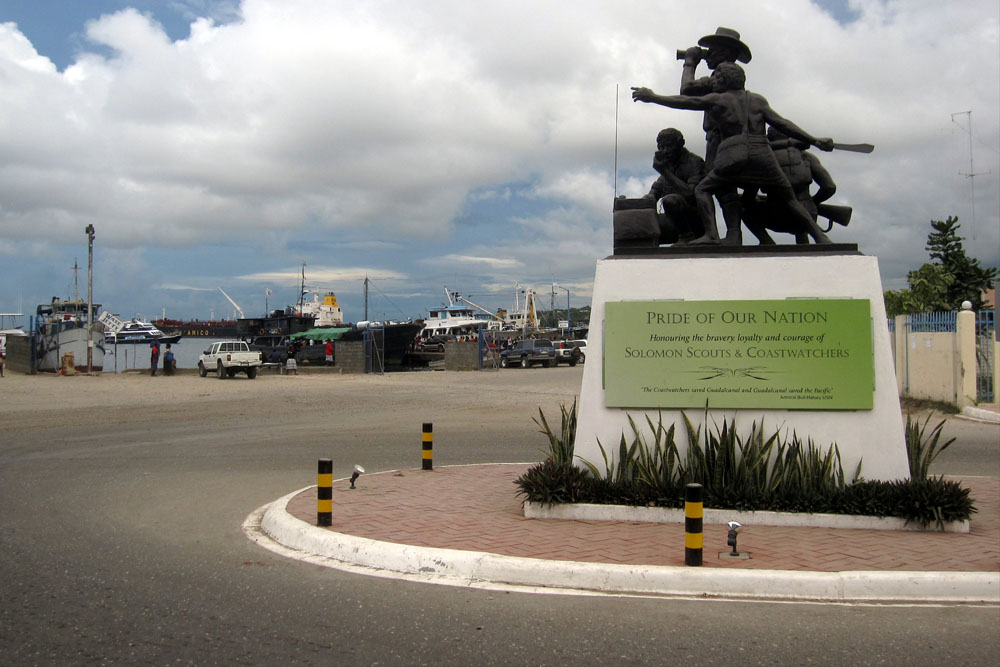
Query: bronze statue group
[(757, 163)]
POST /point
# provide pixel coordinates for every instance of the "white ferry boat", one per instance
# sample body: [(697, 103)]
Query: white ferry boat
[(135, 332), (464, 320), (458, 320)]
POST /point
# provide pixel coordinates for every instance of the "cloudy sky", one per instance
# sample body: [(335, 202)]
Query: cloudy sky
[(222, 143)]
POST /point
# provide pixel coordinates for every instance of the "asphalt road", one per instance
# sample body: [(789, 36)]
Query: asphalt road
[(121, 539)]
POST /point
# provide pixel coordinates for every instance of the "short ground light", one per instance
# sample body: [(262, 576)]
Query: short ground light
[(358, 470), (734, 531)]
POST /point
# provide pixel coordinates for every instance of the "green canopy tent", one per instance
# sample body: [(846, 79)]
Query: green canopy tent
[(327, 333)]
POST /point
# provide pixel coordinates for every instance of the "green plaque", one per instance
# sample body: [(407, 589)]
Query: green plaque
[(791, 354)]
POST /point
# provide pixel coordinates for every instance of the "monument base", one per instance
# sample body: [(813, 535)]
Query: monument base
[(875, 437)]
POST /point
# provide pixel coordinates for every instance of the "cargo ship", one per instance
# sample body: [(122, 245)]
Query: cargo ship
[(199, 328)]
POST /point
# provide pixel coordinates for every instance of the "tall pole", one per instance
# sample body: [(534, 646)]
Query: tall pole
[(90, 296), (569, 323), (302, 287), (552, 307)]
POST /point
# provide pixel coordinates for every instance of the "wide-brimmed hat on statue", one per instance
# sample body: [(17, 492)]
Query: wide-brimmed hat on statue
[(729, 38)]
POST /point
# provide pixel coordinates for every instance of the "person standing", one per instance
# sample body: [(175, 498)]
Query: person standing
[(329, 353), (168, 361), (154, 357)]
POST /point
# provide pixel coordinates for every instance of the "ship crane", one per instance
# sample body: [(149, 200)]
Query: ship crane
[(235, 305), (459, 297)]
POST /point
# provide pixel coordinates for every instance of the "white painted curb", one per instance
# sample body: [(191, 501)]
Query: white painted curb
[(592, 512), (980, 414), (458, 567)]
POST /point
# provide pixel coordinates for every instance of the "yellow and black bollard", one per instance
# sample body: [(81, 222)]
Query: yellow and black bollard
[(428, 446), (693, 536), (324, 493)]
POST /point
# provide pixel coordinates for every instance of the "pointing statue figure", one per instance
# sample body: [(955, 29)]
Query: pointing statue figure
[(743, 158)]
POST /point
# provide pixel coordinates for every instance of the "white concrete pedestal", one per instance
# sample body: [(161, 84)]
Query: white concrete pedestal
[(874, 437)]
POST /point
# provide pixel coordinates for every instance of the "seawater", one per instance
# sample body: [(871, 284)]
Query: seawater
[(186, 352)]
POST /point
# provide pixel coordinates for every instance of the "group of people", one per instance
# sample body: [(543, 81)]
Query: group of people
[(740, 153), (169, 361)]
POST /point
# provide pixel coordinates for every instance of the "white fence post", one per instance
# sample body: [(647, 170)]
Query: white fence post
[(965, 356)]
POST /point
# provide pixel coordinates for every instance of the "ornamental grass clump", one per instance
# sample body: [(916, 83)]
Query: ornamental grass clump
[(750, 472), (560, 444), (923, 446)]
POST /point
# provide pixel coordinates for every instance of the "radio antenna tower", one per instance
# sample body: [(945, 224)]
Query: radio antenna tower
[(616, 141), (972, 173)]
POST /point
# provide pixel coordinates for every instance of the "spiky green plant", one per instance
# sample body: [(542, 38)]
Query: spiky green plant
[(551, 482), (560, 444), (922, 447), (755, 472)]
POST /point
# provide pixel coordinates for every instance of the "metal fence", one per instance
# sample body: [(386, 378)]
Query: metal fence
[(931, 322)]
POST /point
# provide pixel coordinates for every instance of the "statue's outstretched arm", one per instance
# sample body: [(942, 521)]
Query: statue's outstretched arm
[(673, 101), (791, 129)]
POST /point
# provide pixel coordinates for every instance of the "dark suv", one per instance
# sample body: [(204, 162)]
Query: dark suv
[(528, 352)]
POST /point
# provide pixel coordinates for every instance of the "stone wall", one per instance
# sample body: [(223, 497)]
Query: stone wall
[(349, 356), (461, 356), (18, 351)]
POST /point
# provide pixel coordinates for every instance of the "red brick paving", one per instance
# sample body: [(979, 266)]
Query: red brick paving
[(476, 508)]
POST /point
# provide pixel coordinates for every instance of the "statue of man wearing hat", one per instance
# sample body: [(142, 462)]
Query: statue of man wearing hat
[(744, 157), (724, 46)]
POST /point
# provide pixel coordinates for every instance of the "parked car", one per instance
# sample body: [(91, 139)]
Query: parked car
[(564, 352), (227, 358), (529, 352), (436, 343)]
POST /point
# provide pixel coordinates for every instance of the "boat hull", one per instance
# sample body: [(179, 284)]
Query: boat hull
[(199, 329), (141, 339), (60, 339)]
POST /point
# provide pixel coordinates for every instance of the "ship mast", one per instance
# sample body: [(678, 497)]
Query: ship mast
[(76, 275), (366, 298), (302, 287)]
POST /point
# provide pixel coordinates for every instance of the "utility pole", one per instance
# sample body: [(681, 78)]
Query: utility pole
[(90, 296), (552, 307), (366, 298), (569, 322)]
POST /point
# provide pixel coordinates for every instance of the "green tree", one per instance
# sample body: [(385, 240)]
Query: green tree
[(969, 279), (945, 284)]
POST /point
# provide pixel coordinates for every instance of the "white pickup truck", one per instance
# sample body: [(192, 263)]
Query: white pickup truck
[(228, 358)]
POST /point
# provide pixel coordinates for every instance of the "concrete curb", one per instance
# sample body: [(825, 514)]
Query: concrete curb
[(592, 512), (464, 568), (981, 414)]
